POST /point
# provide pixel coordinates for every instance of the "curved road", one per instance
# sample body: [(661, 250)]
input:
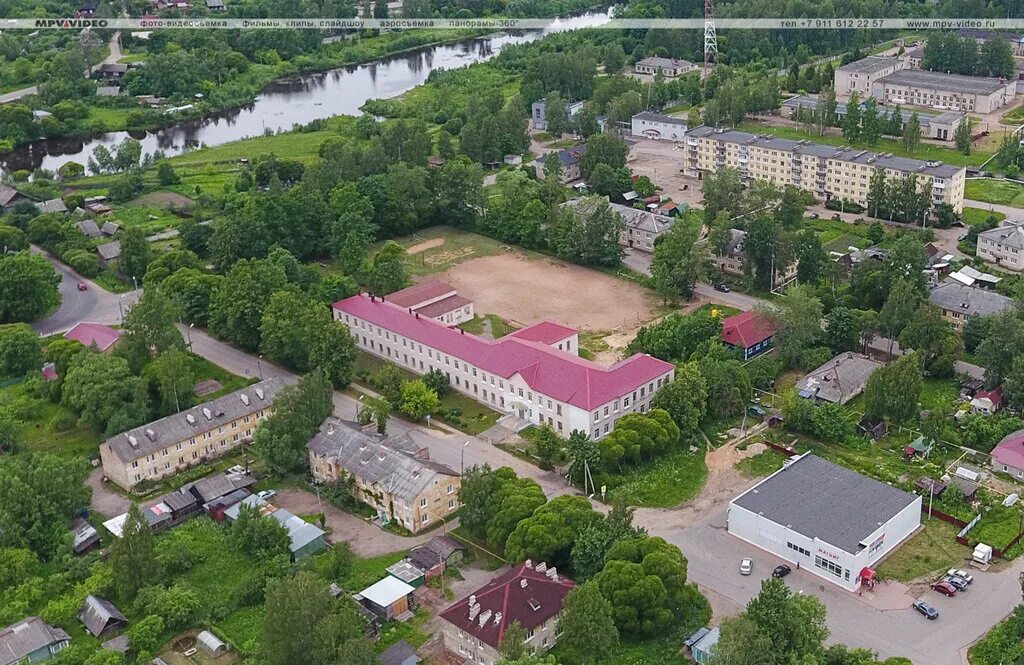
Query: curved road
[(94, 305)]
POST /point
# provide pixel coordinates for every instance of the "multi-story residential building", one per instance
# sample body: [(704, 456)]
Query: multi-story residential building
[(164, 447), (435, 299), (539, 110), (825, 171), (941, 126), (920, 87), (570, 159), (640, 228), (530, 595), (414, 492), (657, 126), (533, 373), (860, 76), (733, 260), (668, 67), (960, 302), (1003, 246)]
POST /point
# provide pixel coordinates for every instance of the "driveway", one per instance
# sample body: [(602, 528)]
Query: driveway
[(105, 500)]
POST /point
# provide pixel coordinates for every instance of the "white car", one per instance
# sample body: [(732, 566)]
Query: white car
[(963, 574), (746, 566), (267, 495)]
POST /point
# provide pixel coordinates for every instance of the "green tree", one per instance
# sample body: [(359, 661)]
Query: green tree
[(1003, 342), (418, 401), (135, 254), (852, 121), (458, 191), (106, 395), (680, 260), (831, 423), (283, 337), (811, 257), (20, 350), (237, 305), (387, 273), (133, 557), (549, 533), (39, 495), (298, 606), (893, 392), (870, 123), (588, 233), (165, 174), (149, 329), (932, 336), (437, 381), (584, 454), (796, 317), (299, 410), (587, 626), (144, 637), (741, 642), (260, 537), (912, 134), (556, 115), (644, 580), (28, 287), (898, 310), (963, 135), (172, 380), (795, 624), (685, 399), (842, 330), (513, 642), (603, 149)]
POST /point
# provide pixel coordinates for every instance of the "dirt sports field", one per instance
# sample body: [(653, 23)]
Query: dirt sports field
[(528, 290)]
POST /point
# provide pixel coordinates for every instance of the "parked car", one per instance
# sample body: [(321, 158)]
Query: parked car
[(724, 288), (958, 582), (837, 217), (267, 495), (945, 588), (82, 286), (926, 609), (781, 570), (967, 577), (961, 238), (746, 566), (815, 215)]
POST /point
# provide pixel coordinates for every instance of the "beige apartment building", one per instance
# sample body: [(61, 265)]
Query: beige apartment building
[(176, 442), (827, 172), (1003, 246), (920, 87), (860, 76), (412, 491)]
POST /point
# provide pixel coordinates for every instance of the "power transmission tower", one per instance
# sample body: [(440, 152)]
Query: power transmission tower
[(710, 38)]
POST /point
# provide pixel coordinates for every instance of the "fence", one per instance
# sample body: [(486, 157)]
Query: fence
[(781, 449)]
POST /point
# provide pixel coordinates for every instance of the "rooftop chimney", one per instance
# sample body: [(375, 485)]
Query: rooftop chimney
[(260, 394), (474, 609), (207, 413), (150, 434), (244, 398), (553, 573), (190, 419), (522, 583), (497, 618), (541, 567), (484, 618), (529, 563)]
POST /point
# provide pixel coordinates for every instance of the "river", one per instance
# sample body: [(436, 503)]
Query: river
[(294, 101)]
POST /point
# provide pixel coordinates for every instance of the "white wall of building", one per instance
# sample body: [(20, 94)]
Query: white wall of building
[(653, 129)]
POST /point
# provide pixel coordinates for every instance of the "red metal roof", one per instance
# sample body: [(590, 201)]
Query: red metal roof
[(995, 395), (88, 334), (418, 294), (545, 332), (1010, 451), (557, 374), (531, 604), (746, 329)]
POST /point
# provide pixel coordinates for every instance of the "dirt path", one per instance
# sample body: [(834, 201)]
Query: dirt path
[(424, 246)]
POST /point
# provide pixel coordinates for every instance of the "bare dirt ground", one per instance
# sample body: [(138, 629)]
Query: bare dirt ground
[(660, 161), (163, 200), (617, 342), (514, 286), (424, 246)]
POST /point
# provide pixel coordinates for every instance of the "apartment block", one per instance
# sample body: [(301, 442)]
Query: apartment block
[(860, 76), (1003, 246), (535, 373), (920, 87), (176, 442), (827, 172)]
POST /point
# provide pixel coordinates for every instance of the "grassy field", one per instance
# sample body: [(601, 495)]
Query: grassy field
[(449, 248), (974, 216), (669, 481), (1000, 192), (765, 462), (931, 552), (499, 326), (48, 427), (926, 151), (837, 236)]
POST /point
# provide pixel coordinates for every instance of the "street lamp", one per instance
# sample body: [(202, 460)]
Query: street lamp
[(259, 366), (120, 307), (462, 463)]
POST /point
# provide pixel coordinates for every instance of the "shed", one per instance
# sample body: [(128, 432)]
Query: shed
[(109, 252), (969, 489), (407, 572), (703, 648), (926, 484), (88, 228), (426, 560), (51, 205), (918, 447), (119, 644), (110, 228), (449, 549), (400, 653), (210, 644), (100, 616), (390, 598), (86, 537)]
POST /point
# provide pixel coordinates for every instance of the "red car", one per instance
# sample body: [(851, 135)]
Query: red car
[(82, 286), (945, 588)]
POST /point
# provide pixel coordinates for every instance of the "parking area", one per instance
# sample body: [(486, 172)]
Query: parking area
[(883, 621)]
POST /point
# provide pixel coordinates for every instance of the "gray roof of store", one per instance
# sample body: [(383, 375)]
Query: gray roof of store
[(658, 117), (970, 300), (1009, 234), (868, 65), (922, 78), (977, 33), (632, 218), (846, 154), (176, 427), (300, 532), (97, 612), (819, 499), (397, 653), (361, 455), (19, 640)]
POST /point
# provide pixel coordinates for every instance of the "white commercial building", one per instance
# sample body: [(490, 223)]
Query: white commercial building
[(657, 126), (833, 522)]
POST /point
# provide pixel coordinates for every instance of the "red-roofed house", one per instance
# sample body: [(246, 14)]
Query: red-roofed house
[(435, 299), (90, 334), (518, 374), (987, 402), (1008, 455), (749, 333), (529, 595)]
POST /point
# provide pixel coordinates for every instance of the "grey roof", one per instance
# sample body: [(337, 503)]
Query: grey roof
[(406, 444), (110, 228), (119, 644), (632, 218), (868, 65), (301, 532), (976, 33), (215, 4), (953, 296), (113, 67), (398, 653), (444, 546), (810, 102), (7, 194), (915, 53), (219, 485), (27, 636), (108, 91), (707, 641), (424, 558), (360, 455), (840, 379), (819, 499), (922, 78), (88, 228), (180, 426), (657, 117), (179, 500), (1009, 234), (656, 61), (567, 156), (52, 205), (98, 614), (845, 154), (85, 535), (405, 571), (109, 251)]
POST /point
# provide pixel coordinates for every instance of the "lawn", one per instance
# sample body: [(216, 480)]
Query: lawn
[(592, 342), (1003, 644), (931, 552), (939, 392), (974, 216), (448, 247), (48, 427), (367, 571), (204, 369), (998, 526), (926, 151), (148, 220), (843, 242), (762, 464), (831, 230), (674, 479), (1000, 192), (499, 327)]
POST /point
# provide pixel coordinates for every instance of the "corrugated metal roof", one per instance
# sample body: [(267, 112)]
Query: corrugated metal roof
[(19, 640)]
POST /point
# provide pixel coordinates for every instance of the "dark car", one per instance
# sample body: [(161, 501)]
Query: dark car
[(724, 288), (926, 609), (945, 588), (958, 582), (781, 570)]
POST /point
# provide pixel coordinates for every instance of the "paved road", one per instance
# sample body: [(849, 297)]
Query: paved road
[(1010, 212), (95, 304), (17, 94)]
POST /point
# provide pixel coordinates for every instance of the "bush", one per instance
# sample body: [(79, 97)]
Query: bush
[(85, 263), (844, 206)]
